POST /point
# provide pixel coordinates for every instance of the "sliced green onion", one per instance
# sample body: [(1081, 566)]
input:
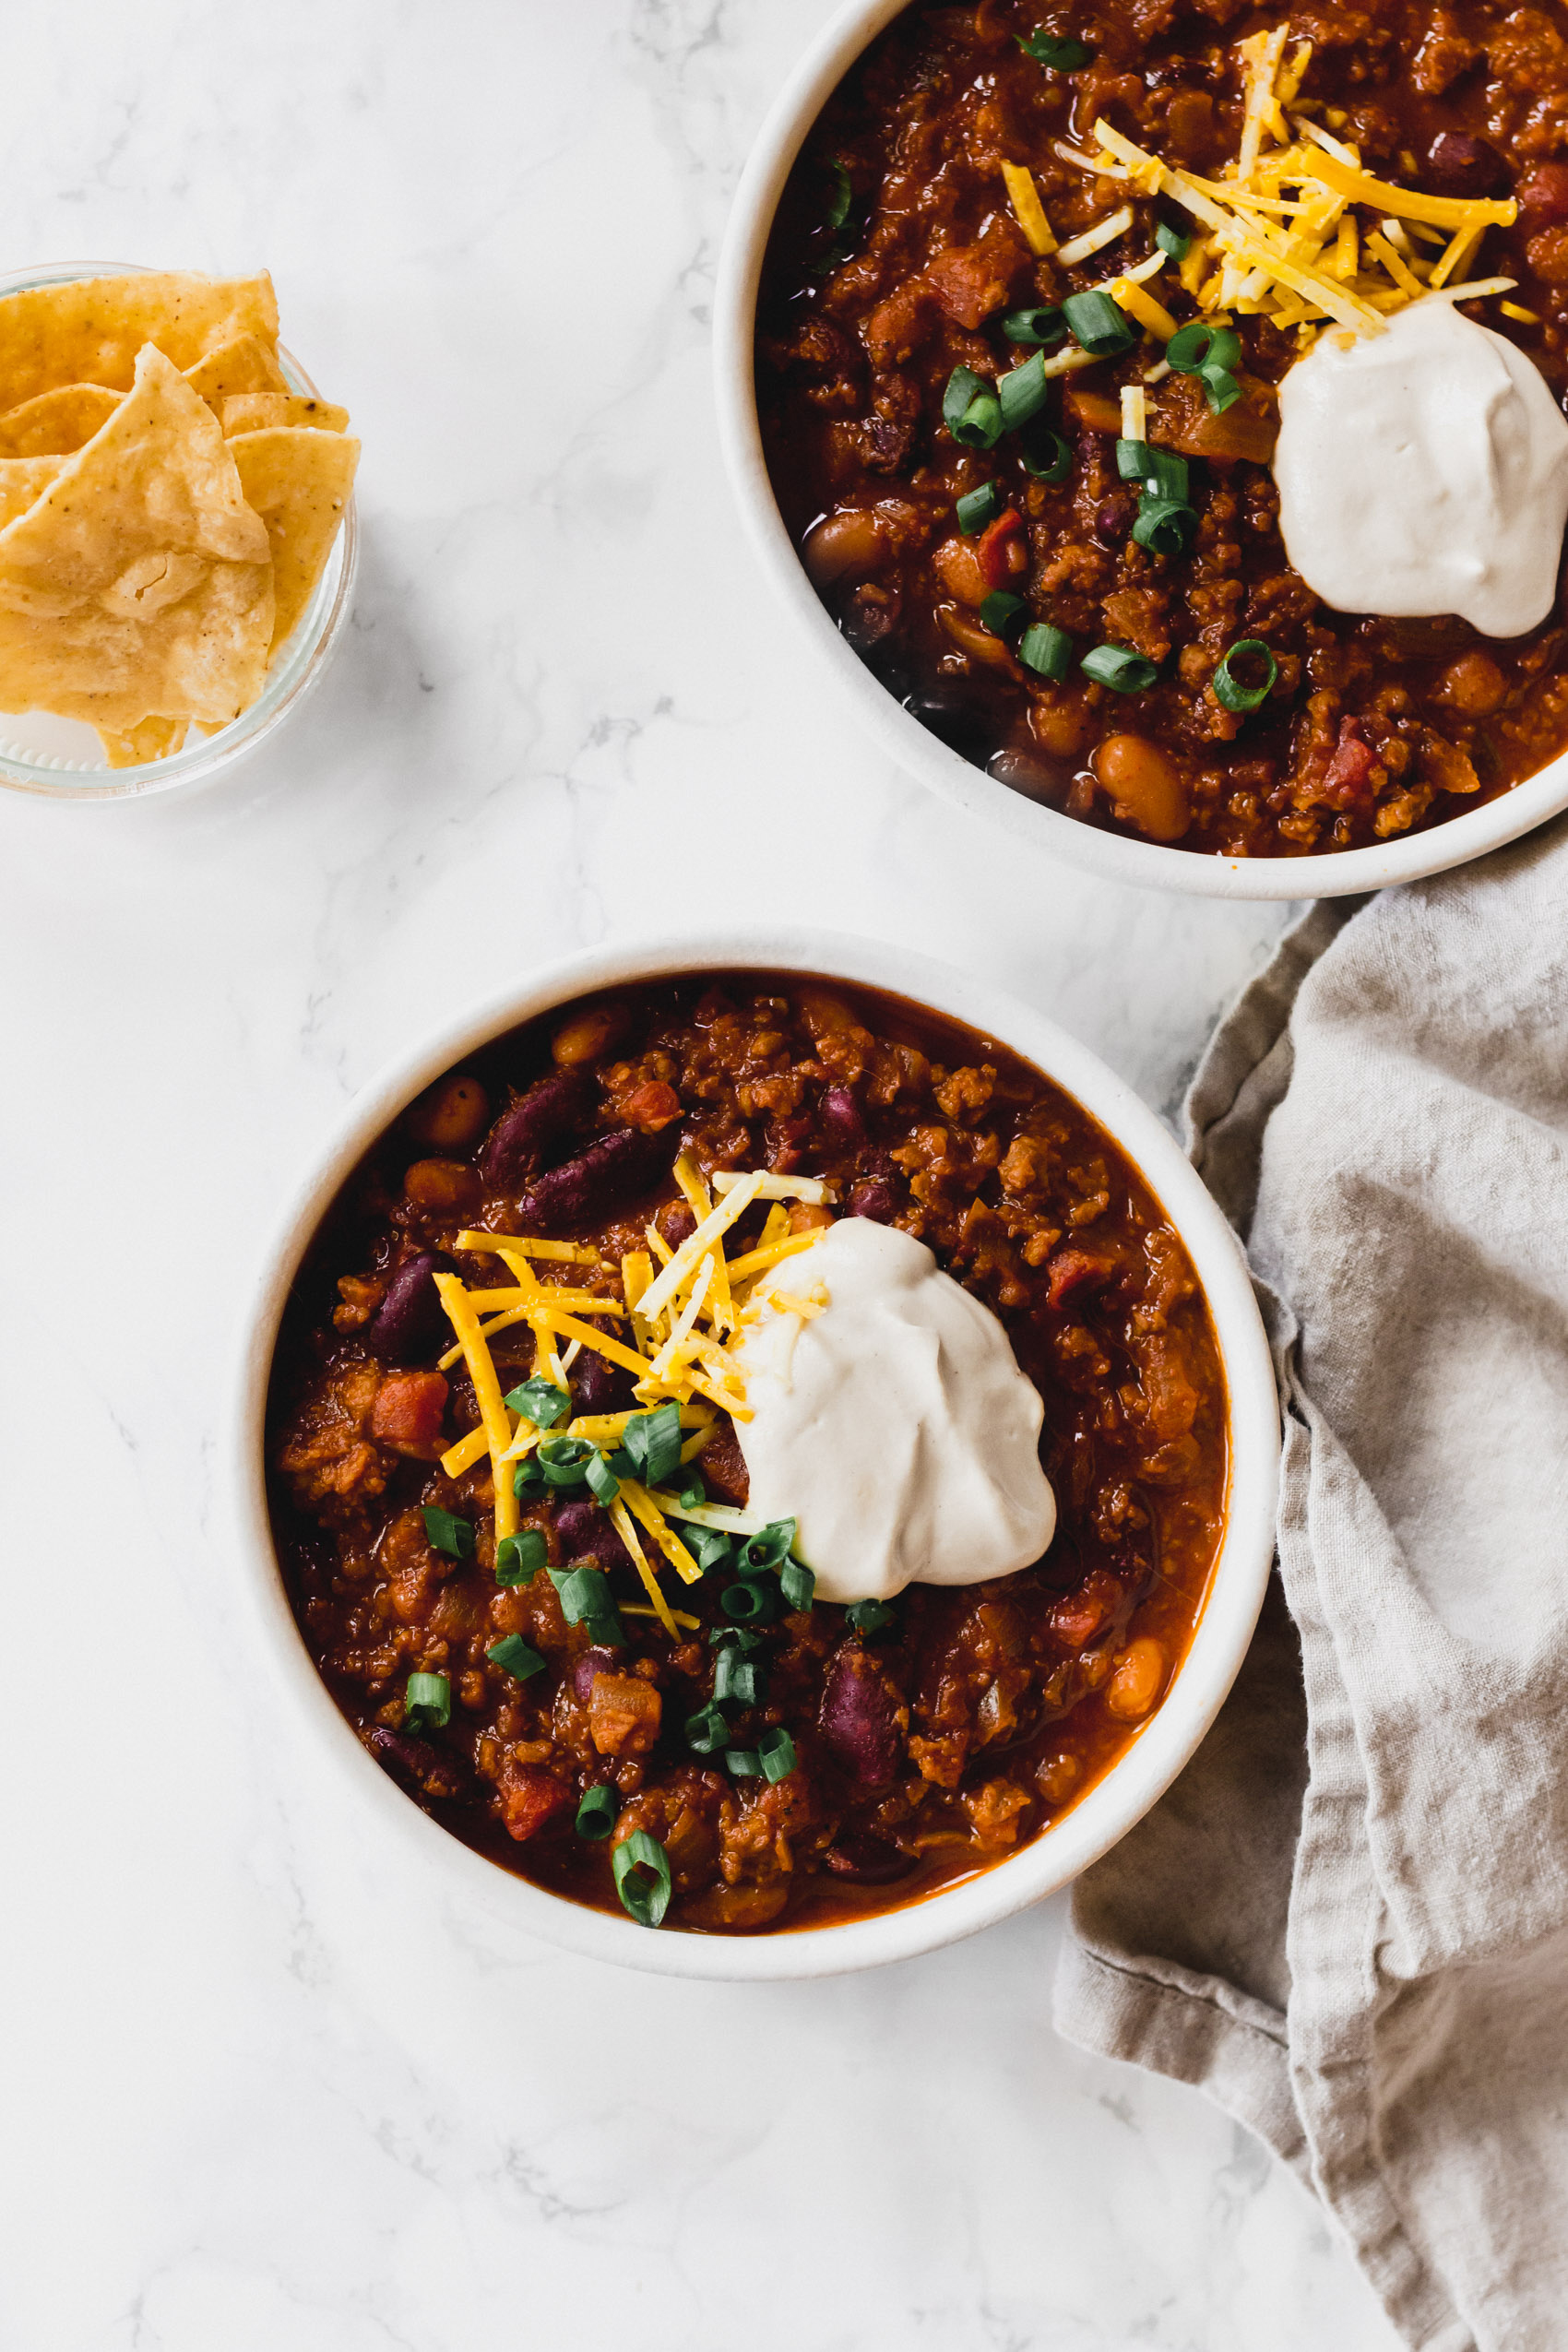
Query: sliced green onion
[(1055, 51), (564, 1460), (642, 1878), (1046, 455), (971, 410), (1161, 470), (653, 1441), (449, 1534), (749, 1604), (1194, 347), (1044, 325), (1221, 390), (693, 1494), (769, 1548), (605, 1630), (797, 1583), (514, 1656), (744, 1763), (427, 1703), (599, 1812), (869, 1616), (1172, 241), (1118, 667), (1022, 392), (843, 193), (540, 1402), (977, 507), (1229, 689), (528, 1478), (603, 1480), (1164, 525), (1047, 651), (1098, 324), (999, 611), (735, 1678), (738, 1637), (706, 1731), (519, 1558), (775, 1752), (710, 1547), (585, 1595)]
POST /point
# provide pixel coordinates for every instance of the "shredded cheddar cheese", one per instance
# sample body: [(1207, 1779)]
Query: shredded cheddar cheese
[(1024, 197)]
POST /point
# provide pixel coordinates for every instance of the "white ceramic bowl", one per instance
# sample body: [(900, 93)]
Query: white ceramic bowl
[(901, 735), (1160, 1748), (61, 759)]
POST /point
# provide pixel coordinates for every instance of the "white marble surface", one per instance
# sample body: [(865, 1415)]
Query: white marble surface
[(257, 2091)]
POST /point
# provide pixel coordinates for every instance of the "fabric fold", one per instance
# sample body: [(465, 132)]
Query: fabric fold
[(1348, 1921)]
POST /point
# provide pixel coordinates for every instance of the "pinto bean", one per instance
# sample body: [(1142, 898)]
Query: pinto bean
[(960, 571), (849, 545), (409, 1322), (446, 1188), (858, 1719), (1145, 789), (451, 1116), (600, 1181), (1473, 685), (522, 1135), (1460, 166), (1137, 1680), (587, 1036)]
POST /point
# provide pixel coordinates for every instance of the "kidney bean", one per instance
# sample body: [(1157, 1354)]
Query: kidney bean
[(867, 1861), (858, 1720), (1113, 519), (1543, 198), (598, 1386), (592, 1662), (724, 1466), (409, 1322), (842, 1116), (1460, 166), (425, 1770), (584, 1528), (522, 1135), (873, 1197), (598, 1183)]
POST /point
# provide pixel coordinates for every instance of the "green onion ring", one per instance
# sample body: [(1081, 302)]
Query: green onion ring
[(1229, 689)]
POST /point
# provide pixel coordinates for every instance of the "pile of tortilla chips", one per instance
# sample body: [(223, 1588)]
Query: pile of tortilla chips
[(167, 505)]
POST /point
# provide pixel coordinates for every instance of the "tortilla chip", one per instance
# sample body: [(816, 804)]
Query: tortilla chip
[(89, 329), (140, 581), (247, 364), (53, 424), (299, 480), (23, 481), (154, 739), (253, 411)]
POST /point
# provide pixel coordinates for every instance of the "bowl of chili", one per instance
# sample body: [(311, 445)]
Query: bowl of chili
[(1146, 688), (596, 1745)]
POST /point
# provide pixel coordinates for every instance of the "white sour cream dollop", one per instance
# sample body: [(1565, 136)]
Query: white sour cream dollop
[(895, 1426), (1424, 470)]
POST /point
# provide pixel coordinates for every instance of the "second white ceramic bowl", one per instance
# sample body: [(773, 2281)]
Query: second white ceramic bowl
[(1161, 1747), (902, 735)]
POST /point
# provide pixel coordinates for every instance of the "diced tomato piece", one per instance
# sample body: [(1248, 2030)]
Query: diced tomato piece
[(408, 1411), (1349, 775), (1073, 1271), (530, 1796)]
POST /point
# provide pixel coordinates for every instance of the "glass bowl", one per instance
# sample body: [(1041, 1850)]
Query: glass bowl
[(61, 758)]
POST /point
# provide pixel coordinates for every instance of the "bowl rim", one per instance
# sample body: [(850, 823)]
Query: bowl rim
[(900, 734), (1159, 1750), (292, 676)]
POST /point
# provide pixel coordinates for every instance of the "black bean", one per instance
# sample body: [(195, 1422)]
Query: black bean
[(841, 1117), (867, 1861), (586, 1531), (873, 1197), (592, 1662), (522, 1136), (1460, 166), (410, 1323)]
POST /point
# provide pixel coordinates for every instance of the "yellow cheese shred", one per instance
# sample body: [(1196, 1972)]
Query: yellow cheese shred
[(1023, 196), (620, 1520), (487, 1392)]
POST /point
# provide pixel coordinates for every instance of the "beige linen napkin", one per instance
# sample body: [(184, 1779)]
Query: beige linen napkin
[(1348, 1919)]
